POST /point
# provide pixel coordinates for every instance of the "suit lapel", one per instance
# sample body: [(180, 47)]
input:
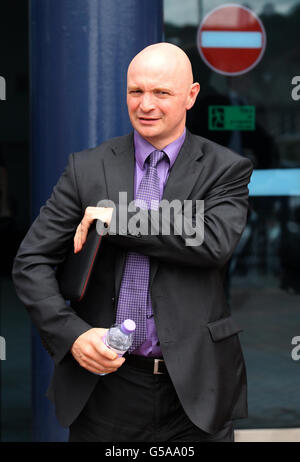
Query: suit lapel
[(119, 169), (119, 174), (185, 171), (182, 178)]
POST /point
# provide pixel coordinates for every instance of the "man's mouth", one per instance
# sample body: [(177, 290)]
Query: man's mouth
[(148, 119)]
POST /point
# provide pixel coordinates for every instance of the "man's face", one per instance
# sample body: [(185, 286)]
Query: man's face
[(157, 100)]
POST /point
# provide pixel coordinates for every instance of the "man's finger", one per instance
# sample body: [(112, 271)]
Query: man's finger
[(97, 368), (112, 364), (77, 239), (105, 352), (100, 352), (82, 229), (91, 213), (93, 359), (80, 236)]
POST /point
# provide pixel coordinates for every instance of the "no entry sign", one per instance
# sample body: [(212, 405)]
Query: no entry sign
[(231, 39)]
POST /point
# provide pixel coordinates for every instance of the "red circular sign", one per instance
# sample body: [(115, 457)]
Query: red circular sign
[(231, 39)]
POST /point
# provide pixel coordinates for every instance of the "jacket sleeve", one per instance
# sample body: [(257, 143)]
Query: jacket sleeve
[(42, 249), (222, 223)]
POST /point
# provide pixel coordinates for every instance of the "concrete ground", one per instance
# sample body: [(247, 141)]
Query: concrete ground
[(270, 318), (278, 435)]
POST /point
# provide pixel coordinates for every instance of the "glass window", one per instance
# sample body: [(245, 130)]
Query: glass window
[(15, 363), (262, 283)]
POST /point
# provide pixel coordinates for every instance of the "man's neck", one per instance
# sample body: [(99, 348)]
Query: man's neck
[(161, 144)]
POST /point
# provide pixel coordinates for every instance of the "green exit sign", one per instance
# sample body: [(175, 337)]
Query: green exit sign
[(231, 117)]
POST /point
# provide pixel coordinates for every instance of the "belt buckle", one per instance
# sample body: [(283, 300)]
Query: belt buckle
[(156, 364)]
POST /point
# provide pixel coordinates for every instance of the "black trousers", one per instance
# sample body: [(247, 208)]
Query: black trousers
[(133, 405)]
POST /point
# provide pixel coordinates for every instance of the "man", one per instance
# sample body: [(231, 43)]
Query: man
[(185, 331)]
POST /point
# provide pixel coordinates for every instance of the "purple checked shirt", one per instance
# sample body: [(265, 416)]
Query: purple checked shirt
[(142, 150)]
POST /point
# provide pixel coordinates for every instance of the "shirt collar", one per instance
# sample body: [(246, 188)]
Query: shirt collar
[(143, 148)]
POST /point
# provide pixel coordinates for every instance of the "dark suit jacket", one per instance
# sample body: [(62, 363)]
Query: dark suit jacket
[(198, 336)]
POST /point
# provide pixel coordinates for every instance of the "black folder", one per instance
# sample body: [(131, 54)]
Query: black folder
[(74, 273)]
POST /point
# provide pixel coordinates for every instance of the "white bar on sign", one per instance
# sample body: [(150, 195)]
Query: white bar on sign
[(231, 39)]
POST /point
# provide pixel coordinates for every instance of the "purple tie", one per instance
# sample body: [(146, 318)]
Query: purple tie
[(132, 303)]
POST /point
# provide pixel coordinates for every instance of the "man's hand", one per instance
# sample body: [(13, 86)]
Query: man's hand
[(90, 352), (91, 213)]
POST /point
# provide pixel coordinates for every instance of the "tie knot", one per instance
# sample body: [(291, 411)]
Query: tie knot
[(155, 157)]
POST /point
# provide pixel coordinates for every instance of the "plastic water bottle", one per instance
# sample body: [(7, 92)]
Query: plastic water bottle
[(120, 336)]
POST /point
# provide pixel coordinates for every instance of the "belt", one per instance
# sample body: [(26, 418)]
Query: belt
[(152, 365)]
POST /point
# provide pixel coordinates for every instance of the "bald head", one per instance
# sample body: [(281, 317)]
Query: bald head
[(160, 90), (167, 58)]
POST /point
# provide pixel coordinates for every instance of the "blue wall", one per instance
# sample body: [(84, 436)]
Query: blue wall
[(79, 54)]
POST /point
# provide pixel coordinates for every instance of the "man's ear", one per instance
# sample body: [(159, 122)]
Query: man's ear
[(194, 90)]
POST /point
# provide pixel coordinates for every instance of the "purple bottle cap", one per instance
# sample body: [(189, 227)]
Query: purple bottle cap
[(128, 326)]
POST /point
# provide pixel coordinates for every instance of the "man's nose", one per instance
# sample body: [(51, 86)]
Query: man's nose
[(147, 102)]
